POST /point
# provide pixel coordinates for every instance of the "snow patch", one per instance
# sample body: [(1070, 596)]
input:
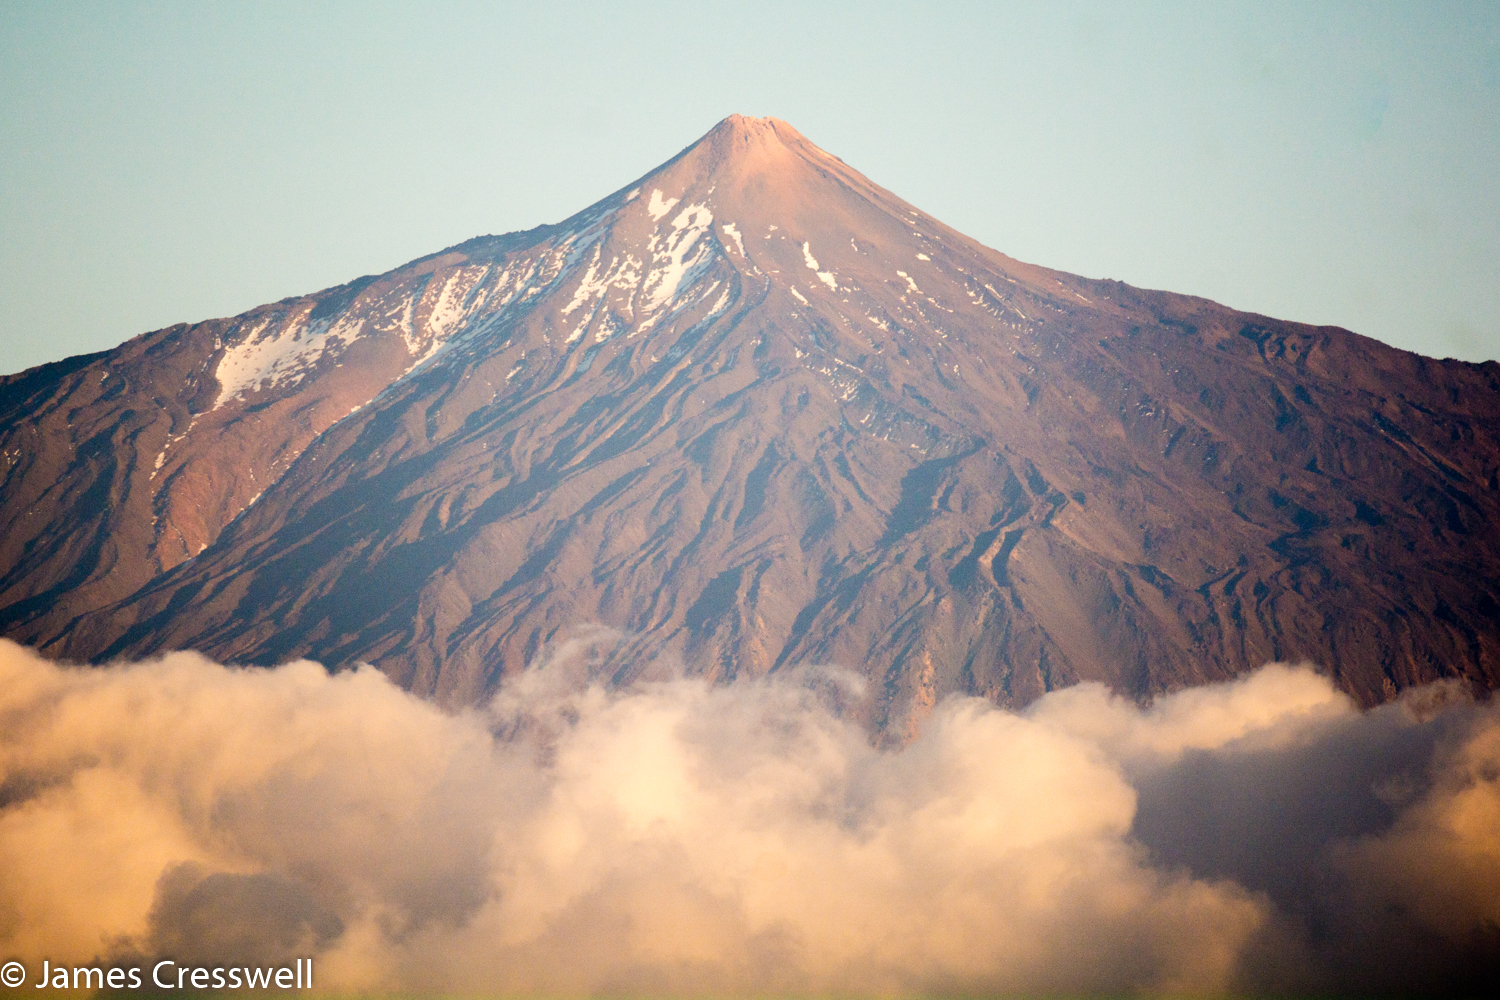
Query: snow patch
[(826, 277), (681, 255), (280, 350), (282, 355), (912, 284), (446, 315), (577, 334), (659, 206), (1007, 303), (591, 285), (734, 234), (607, 329)]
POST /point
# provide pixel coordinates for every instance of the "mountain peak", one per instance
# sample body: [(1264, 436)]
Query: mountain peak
[(739, 152), (744, 126), (762, 175), (740, 138), (741, 135), (752, 411)]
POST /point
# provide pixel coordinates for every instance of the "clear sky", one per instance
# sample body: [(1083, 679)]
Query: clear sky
[(1331, 163)]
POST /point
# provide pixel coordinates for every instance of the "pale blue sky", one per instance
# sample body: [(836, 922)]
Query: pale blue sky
[(1333, 163)]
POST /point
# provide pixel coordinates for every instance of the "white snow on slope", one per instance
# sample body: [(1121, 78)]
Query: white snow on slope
[(600, 278), (607, 329), (592, 284), (826, 277), (448, 311), (456, 301), (580, 329), (1006, 302), (718, 306), (734, 234), (437, 318), (677, 256), (279, 351), (659, 206), (279, 355)]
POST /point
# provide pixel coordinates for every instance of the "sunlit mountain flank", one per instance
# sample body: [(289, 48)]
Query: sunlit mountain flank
[(754, 411)]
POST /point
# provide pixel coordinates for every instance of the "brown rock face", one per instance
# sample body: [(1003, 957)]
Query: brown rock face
[(753, 411)]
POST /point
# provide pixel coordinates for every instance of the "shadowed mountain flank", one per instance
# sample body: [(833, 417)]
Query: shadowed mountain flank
[(753, 411)]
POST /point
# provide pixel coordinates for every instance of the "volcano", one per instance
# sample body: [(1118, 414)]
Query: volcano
[(748, 413)]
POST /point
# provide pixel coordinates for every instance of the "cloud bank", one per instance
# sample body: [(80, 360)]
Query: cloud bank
[(679, 837)]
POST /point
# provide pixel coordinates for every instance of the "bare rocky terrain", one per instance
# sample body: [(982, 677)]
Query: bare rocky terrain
[(751, 412)]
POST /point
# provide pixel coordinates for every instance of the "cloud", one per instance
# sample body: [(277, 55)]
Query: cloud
[(682, 837)]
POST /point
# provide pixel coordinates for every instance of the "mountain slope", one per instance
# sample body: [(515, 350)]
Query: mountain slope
[(754, 411)]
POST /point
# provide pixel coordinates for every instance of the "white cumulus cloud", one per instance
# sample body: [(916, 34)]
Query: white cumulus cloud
[(746, 838)]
